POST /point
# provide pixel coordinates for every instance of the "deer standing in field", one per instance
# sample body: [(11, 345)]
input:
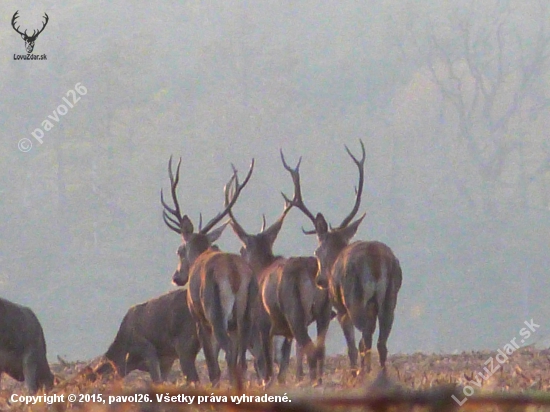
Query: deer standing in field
[(289, 300), (363, 278), (219, 283)]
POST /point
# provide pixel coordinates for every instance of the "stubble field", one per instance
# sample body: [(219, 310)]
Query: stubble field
[(417, 376)]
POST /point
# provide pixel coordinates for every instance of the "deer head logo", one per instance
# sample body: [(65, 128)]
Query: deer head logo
[(29, 40)]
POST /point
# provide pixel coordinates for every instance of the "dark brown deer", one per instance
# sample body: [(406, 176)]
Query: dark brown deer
[(23, 347), (219, 283), (152, 336), (290, 301), (363, 278)]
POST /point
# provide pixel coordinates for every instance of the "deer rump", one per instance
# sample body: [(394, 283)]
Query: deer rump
[(152, 336), (219, 295), (23, 347), (293, 302), (366, 278)]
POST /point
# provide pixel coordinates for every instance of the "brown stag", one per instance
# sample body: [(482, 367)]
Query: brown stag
[(152, 336), (219, 283), (289, 302), (363, 278)]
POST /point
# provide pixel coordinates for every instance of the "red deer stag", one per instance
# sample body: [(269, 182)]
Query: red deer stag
[(291, 301), (363, 278), (218, 283)]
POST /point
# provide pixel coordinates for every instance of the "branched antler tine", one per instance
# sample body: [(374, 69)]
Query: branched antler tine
[(359, 188), (44, 24), (229, 195), (238, 189), (173, 186), (13, 20), (297, 199), (169, 223), (170, 218), (166, 206)]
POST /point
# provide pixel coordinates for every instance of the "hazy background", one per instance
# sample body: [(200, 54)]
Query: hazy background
[(450, 98)]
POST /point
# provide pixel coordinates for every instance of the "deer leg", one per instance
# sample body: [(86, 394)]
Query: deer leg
[(299, 362), (211, 352), (366, 322), (30, 372), (244, 330), (385, 318), (187, 350), (322, 328), (285, 359), (265, 351), (143, 353), (349, 334), (165, 367)]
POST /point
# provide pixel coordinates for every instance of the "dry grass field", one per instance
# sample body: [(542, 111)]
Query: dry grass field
[(418, 378)]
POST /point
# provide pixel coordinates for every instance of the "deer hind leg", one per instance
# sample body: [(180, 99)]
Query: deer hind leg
[(349, 333), (367, 327), (322, 328), (285, 359), (385, 318), (244, 331), (299, 362), (211, 351)]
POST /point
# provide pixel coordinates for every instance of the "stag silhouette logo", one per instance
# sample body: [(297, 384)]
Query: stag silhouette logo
[(29, 40)]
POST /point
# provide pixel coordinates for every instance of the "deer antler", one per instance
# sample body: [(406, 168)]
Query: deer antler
[(297, 199), (34, 33), (228, 206), (43, 26), (14, 18), (239, 230), (174, 221), (358, 190), (263, 223)]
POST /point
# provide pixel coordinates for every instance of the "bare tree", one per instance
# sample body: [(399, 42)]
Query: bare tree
[(488, 61)]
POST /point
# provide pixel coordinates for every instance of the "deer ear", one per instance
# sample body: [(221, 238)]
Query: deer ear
[(187, 228), (349, 231), (321, 226), (273, 231), (238, 230), (216, 233)]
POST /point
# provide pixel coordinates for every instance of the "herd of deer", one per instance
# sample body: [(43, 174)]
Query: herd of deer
[(238, 303)]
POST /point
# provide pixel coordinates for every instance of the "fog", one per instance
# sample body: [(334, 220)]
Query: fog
[(450, 99)]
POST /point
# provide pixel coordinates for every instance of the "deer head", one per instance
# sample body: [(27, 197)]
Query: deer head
[(257, 249), (195, 243), (29, 40), (331, 240)]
